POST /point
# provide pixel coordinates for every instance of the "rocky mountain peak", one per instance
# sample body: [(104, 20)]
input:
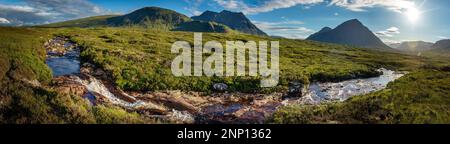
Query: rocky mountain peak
[(351, 32), (235, 20)]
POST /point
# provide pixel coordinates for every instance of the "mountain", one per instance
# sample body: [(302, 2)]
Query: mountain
[(394, 45), (234, 20), (442, 44), (351, 32), (323, 30), (439, 49), (203, 26), (155, 17), (415, 46), (276, 36), (83, 23), (150, 16)]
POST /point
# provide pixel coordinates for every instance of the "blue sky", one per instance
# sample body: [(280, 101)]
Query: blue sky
[(391, 20)]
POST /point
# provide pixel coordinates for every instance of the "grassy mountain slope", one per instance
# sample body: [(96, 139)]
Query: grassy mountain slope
[(236, 21), (442, 44), (95, 21), (202, 26), (150, 17), (153, 17), (415, 46)]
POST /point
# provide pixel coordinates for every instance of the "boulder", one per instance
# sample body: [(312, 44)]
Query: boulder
[(221, 87), (99, 72), (88, 65), (33, 83), (174, 102), (86, 70), (58, 46), (68, 85), (296, 89)]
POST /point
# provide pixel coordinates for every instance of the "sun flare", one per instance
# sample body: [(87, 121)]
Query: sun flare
[(413, 14)]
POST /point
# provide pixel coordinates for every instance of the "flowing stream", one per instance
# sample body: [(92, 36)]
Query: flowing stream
[(341, 91), (63, 59), (63, 66)]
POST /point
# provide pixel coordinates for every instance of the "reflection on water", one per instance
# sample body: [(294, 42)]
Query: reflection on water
[(63, 65), (62, 57), (341, 91)]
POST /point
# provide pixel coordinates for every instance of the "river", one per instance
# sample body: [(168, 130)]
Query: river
[(341, 91), (63, 59)]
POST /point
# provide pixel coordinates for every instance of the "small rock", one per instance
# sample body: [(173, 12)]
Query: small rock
[(99, 72), (33, 83), (296, 89), (88, 65), (182, 116), (220, 87), (86, 70), (177, 103)]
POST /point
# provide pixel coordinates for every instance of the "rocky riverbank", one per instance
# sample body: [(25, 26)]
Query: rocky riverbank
[(175, 106), (94, 84)]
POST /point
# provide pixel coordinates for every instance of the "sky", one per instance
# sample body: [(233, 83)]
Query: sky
[(391, 20)]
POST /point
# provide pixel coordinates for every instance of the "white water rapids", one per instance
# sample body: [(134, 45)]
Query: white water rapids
[(93, 85), (341, 91)]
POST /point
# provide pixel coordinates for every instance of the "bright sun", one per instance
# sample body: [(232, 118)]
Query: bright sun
[(413, 14)]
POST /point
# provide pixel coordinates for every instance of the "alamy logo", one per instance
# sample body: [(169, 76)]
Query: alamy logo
[(191, 62)]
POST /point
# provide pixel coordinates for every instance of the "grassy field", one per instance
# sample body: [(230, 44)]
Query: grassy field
[(421, 97), (22, 59), (139, 60)]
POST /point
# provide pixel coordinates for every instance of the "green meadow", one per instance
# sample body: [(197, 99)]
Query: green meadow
[(22, 58), (138, 59)]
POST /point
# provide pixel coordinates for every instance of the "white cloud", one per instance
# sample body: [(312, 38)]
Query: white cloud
[(266, 6), (442, 37), (354, 5), (193, 7), (16, 8), (390, 41), (287, 29), (45, 13), (390, 32), (361, 5), (278, 24), (336, 14), (4, 21), (230, 4), (31, 12), (393, 30)]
